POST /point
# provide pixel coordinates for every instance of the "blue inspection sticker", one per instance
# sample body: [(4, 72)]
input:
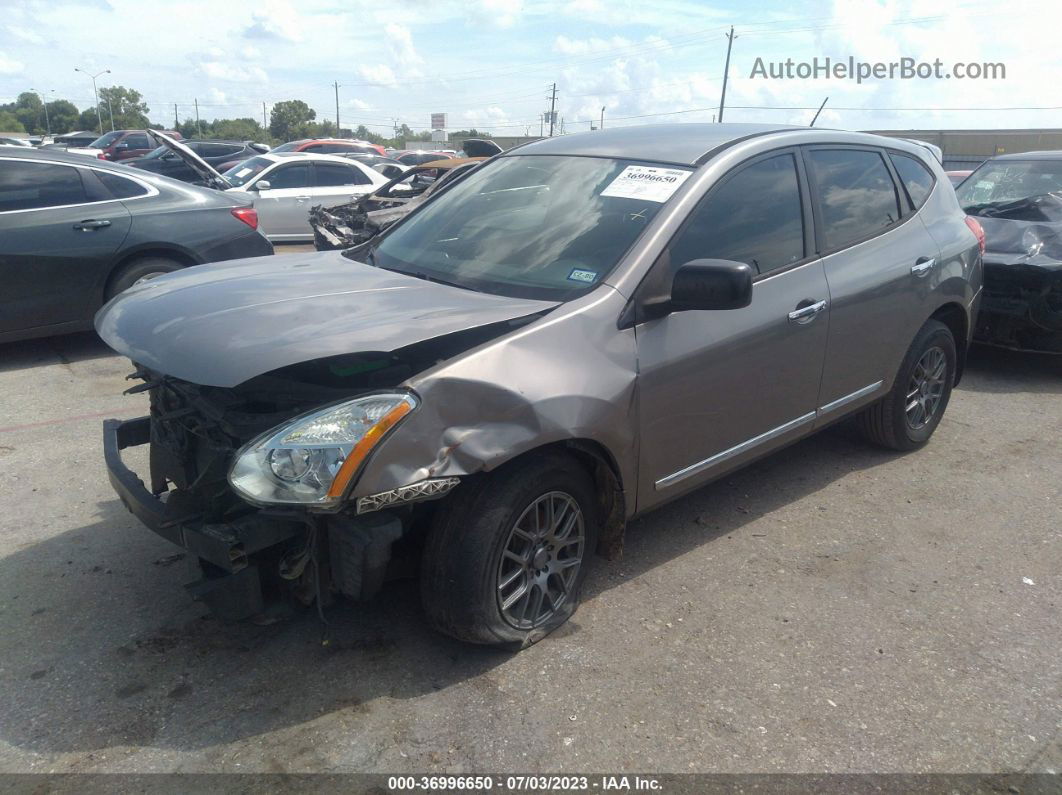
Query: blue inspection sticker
[(579, 275)]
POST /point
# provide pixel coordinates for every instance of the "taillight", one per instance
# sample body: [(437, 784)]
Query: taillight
[(979, 232), (101, 156), (248, 215)]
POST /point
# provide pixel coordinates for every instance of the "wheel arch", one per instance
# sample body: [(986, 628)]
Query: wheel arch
[(166, 251), (603, 468), (953, 315)]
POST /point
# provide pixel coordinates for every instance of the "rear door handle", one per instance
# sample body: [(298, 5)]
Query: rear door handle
[(88, 226), (923, 265), (806, 314)]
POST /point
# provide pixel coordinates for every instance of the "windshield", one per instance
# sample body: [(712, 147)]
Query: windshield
[(154, 154), (1002, 181), (105, 140), (531, 226), (288, 147), (242, 173)]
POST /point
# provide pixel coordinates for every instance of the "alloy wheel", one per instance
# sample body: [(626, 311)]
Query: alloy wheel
[(926, 387), (541, 559)]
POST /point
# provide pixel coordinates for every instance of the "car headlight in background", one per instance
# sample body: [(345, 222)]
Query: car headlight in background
[(312, 459)]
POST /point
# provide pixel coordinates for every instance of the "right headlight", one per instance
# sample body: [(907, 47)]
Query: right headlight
[(313, 459)]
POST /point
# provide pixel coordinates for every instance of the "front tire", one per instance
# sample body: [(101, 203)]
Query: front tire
[(507, 554), (907, 416)]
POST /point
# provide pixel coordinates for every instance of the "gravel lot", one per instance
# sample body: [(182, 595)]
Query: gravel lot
[(833, 608)]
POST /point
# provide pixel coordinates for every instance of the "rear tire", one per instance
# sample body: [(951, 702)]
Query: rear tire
[(504, 532), (139, 270), (907, 416)]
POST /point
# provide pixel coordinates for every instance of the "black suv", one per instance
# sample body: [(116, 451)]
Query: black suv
[(216, 153)]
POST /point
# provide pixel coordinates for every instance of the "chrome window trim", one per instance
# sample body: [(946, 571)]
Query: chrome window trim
[(151, 189), (748, 444)]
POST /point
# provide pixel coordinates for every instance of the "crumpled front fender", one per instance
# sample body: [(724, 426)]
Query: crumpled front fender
[(568, 376)]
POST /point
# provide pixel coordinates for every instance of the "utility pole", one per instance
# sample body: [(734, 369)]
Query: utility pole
[(726, 71), (44, 101), (541, 119), (176, 121), (336, 84), (110, 112), (815, 118), (265, 124), (99, 116), (552, 109), (198, 129)]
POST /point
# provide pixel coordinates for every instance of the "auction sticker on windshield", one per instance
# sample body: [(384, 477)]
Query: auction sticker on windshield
[(646, 182)]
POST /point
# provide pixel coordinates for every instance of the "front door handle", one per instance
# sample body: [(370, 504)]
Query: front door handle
[(302, 198), (805, 314), (88, 226), (923, 265)]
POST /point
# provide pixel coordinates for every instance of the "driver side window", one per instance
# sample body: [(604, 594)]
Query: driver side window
[(754, 216), (297, 175)]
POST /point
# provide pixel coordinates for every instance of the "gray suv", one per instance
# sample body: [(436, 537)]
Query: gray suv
[(571, 335)]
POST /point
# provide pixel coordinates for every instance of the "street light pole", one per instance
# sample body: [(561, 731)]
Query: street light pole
[(99, 116), (44, 101), (601, 126)]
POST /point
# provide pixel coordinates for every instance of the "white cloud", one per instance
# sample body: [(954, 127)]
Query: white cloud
[(9, 66), (236, 73), (400, 41), (359, 104), (275, 19), (567, 46), (501, 13), (250, 53), (25, 34), (381, 74)]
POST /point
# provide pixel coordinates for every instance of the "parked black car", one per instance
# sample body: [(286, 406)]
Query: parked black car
[(385, 165), (1018, 201), (217, 153), (75, 231)]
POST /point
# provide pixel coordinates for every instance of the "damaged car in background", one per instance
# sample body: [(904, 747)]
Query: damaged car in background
[(345, 225), (1018, 201), (351, 223), (576, 332)]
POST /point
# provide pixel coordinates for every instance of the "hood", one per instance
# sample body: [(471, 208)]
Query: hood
[(210, 176), (479, 147), (223, 324)]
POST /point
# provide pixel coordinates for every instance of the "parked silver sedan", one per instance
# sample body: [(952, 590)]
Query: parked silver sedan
[(573, 334)]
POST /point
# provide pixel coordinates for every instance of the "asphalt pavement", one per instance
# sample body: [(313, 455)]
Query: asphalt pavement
[(833, 608)]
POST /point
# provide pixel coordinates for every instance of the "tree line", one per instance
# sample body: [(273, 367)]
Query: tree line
[(122, 108)]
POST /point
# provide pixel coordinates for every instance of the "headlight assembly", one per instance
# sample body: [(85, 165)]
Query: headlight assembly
[(312, 459)]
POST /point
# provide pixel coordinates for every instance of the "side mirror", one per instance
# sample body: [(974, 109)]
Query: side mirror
[(262, 184), (711, 284)]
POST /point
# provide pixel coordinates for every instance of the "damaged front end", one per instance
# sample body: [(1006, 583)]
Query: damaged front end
[(228, 404), (248, 557), (1021, 306)]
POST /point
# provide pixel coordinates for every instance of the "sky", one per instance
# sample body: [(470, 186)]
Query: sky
[(491, 64)]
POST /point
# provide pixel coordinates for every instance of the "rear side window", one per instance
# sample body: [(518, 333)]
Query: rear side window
[(856, 194), (915, 177), (293, 176), (755, 217), (138, 142), (120, 187), (28, 186), (329, 174)]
